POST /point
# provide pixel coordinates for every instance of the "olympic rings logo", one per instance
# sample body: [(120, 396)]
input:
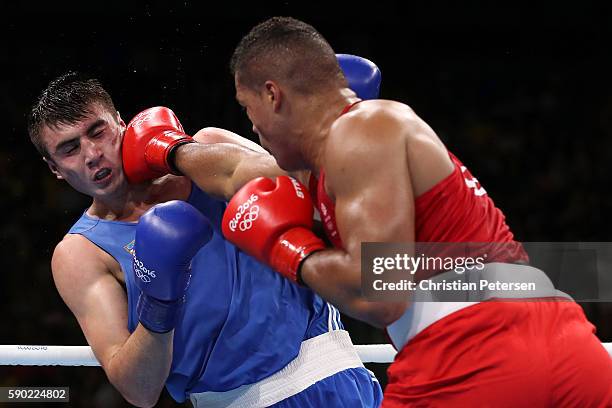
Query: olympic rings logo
[(141, 275), (142, 272), (249, 217), (245, 223), (141, 118)]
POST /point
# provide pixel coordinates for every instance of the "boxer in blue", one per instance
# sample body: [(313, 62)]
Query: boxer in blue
[(161, 297)]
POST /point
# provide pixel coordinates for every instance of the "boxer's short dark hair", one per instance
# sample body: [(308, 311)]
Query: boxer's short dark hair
[(286, 49), (65, 101)]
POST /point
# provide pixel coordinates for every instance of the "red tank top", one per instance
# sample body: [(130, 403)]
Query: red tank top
[(326, 208), (457, 209)]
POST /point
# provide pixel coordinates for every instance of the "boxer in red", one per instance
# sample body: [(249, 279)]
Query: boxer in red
[(381, 174)]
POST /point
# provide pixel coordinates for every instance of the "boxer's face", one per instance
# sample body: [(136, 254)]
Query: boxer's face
[(270, 123), (88, 154)]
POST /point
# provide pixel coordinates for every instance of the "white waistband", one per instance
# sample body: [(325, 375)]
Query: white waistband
[(319, 358), (418, 316), (423, 312)]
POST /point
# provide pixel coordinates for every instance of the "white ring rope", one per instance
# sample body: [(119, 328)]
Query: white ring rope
[(83, 356)]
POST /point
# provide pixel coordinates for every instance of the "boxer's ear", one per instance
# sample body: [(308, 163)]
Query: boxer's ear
[(273, 95), (121, 123), (120, 120), (53, 168)]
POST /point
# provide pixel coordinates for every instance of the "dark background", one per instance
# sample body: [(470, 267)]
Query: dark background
[(520, 93)]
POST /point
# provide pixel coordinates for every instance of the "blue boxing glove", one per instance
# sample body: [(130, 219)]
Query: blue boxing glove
[(168, 236), (363, 75)]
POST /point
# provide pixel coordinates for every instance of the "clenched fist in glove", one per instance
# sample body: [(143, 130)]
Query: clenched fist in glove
[(272, 221), (148, 144)]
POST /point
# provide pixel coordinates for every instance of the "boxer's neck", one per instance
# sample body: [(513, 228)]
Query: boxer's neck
[(319, 113), (130, 204)]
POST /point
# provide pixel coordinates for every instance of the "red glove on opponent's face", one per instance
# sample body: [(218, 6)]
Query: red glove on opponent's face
[(148, 143), (272, 221)]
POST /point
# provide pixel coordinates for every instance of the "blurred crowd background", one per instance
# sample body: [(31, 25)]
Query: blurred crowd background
[(521, 94)]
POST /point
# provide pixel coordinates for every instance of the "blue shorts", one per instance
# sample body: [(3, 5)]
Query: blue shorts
[(352, 388)]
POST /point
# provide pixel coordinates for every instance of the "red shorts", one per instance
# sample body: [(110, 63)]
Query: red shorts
[(504, 354)]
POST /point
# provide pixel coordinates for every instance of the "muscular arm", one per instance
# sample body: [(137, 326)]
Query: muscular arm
[(137, 364), (218, 135), (223, 162), (374, 203)]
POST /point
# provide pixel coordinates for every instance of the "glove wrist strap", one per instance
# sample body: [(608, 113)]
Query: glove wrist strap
[(291, 249), (156, 315), (159, 153)]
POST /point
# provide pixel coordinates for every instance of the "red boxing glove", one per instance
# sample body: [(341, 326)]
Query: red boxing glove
[(272, 221), (147, 143)]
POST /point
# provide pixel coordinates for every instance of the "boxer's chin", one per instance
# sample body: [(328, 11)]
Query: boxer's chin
[(286, 163), (285, 160)]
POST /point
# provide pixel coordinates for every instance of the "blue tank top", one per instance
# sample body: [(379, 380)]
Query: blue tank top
[(241, 322)]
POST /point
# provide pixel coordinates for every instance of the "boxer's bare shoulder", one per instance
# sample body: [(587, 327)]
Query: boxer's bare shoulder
[(91, 284), (370, 139), (366, 174), (377, 124), (76, 250), (396, 130)]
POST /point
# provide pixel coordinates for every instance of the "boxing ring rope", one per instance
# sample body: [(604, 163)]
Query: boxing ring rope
[(83, 356)]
